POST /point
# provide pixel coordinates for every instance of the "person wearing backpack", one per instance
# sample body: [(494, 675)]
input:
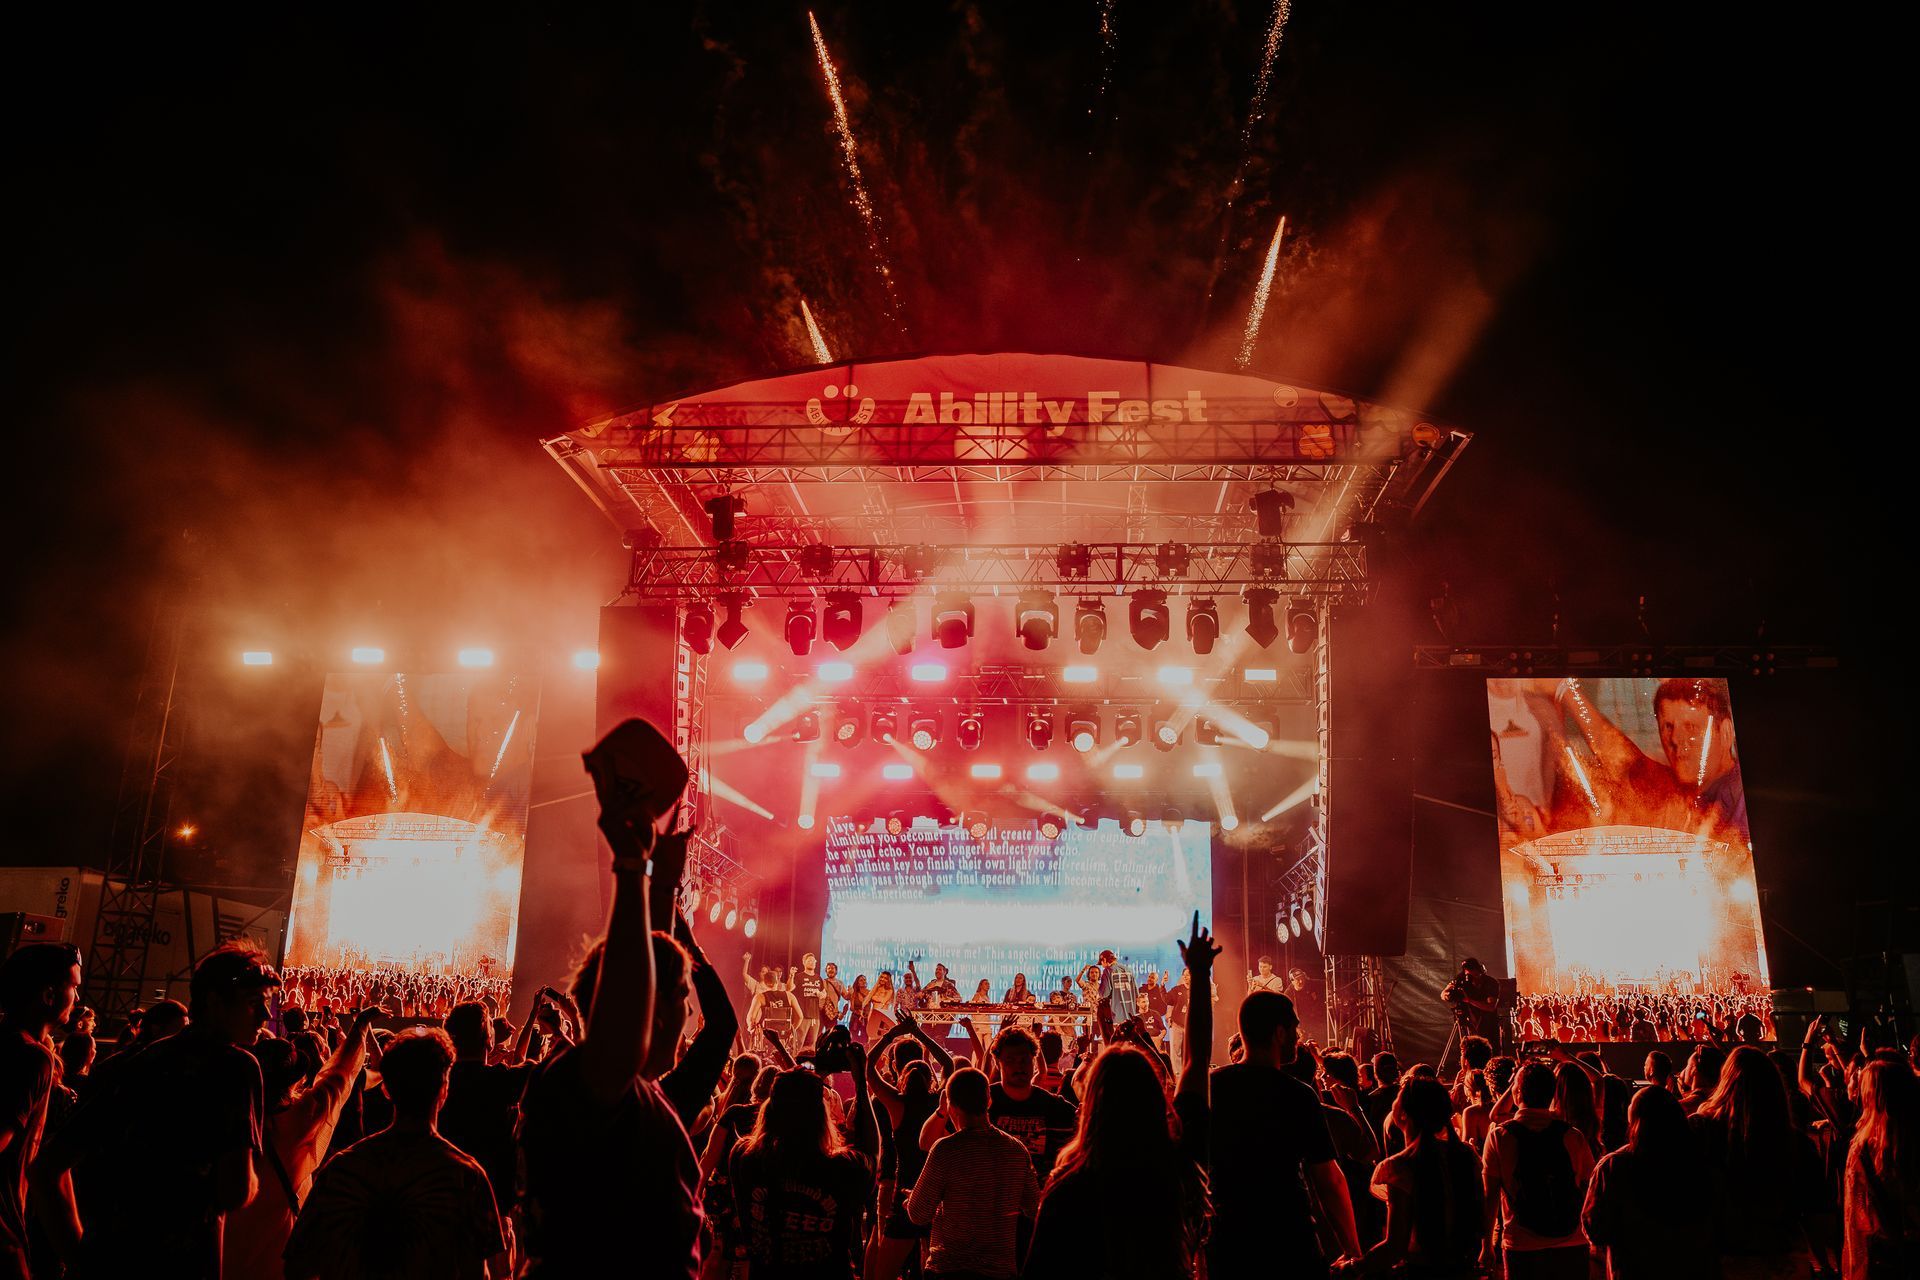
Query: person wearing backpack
[(1536, 1169)]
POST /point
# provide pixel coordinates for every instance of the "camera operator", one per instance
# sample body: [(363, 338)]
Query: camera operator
[(1474, 996)]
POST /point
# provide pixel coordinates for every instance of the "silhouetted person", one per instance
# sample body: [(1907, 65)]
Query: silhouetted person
[(1763, 1175), (1883, 1176), (977, 1185), (169, 1148), (1269, 1140), (1436, 1212), (800, 1192), (38, 987), (479, 1113), (1644, 1208), (1536, 1170), (404, 1204)]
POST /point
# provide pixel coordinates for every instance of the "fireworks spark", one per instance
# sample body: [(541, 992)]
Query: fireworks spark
[(1263, 83), (820, 353), (504, 740), (1580, 776), (1259, 310), (386, 762), (1109, 45), (1706, 748), (850, 153)]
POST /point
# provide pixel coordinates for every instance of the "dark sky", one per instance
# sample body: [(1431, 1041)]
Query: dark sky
[(312, 285)]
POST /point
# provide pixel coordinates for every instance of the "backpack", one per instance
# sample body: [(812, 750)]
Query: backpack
[(1542, 1192)]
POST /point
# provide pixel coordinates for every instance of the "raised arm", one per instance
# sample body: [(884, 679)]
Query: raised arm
[(934, 1047), (866, 1130), (1198, 953), (690, 1081), (882, 1087)]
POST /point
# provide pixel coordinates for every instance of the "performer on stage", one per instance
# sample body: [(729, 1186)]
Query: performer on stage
[(1117, 995), (1266, 979), (806, 1002)]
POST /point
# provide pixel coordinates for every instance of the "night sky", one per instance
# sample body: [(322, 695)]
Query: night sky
[(312, 285)]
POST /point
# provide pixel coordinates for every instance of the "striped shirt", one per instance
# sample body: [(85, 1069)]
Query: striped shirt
[(976, 1186)]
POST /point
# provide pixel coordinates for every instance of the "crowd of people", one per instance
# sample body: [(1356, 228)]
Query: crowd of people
[(397, 992), (1742, 1019), (622, 1131)]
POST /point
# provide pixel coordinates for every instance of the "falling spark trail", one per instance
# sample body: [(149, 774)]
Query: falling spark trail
[(820, 353), (1706, 746), (386, 761), (504, 740), (1256, 112), (1259, 311), (1263, 83), (1108, 45), (850, 152)]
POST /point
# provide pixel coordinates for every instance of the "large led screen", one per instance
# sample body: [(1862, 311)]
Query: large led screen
[(1626, 860), (416, 825), (1012, 902)]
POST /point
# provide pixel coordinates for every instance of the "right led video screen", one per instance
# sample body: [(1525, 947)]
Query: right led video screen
[(1626, 863)]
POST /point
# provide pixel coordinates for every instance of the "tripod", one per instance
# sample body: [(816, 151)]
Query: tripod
[(1458, 1033)]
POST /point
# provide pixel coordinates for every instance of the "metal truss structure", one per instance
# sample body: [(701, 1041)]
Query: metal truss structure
[(1000, 473), (1007, 685), (1643, 659), (116, 967), (1336, 570)]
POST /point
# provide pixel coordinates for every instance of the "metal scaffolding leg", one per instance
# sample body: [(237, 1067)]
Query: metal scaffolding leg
[(116, 965)]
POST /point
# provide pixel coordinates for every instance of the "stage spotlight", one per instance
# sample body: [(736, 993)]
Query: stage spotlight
[(886, 723), (692, 892), (816, 560), (1147, 618), (1205, 732), (807, 727), (1047, 772), (896, 772), (900, 626), (952, 619), (1172, 559), (1280, 924), (1090, 624), (587, 660), (1203, 625), (1229, 822), (476, 657), (1172, 819), (850, 727), (1049, 828), (754, 732), (1083, 729), (1303, 626), (721, 509), (749, 672), (1135, 825), (732, 631), (976, 824), (800, 627), (1126, 728), (1077, 674), (715, 911), (1293, 921), (1129, 772), (1270, 508), (897, 821), (925, 730), (1039, 730), (1166, 735), (804, 822), (1306, 914), (841, 625), (983, 771), (256, 658), (971, 731), (1268, 560), (1073, 560), (696, 628), (1260, 675), (1037, 619), (1261, 628), (1208, 769), (823, 769), (833, 672), (733, 913), (369, 657), (929, 672), (752, 924)]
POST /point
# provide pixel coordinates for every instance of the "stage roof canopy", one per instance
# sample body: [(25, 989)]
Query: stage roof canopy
[(1005, 448)]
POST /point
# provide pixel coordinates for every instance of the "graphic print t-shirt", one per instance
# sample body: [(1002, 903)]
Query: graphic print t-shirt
[(1042, 1121), (803, 1223)]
